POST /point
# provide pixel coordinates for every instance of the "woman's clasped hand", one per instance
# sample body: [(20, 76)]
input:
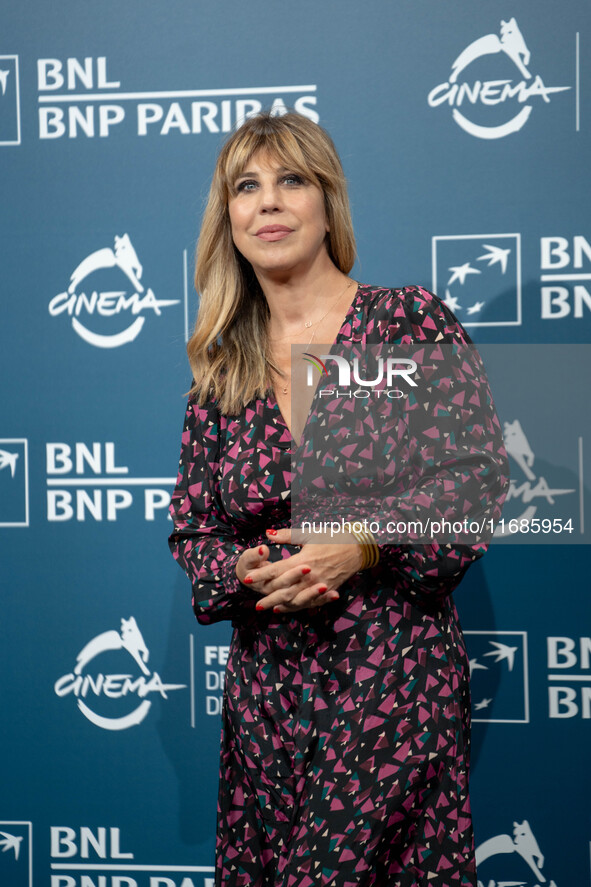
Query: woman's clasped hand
[(305, 580)]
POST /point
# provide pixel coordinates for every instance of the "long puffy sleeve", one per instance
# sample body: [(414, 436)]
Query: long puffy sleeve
[(204, 542), (438, 455)]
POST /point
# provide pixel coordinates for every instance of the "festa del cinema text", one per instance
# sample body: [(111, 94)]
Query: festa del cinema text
[(77, 98)]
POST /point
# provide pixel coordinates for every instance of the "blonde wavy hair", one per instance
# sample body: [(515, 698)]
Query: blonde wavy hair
[(229, 350)]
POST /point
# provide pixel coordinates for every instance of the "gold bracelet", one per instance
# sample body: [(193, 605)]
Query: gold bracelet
[(370, 553)]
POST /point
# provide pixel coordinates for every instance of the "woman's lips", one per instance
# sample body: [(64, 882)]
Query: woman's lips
[(273, 232)]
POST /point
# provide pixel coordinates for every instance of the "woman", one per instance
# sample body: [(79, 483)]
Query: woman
[(346, 709)]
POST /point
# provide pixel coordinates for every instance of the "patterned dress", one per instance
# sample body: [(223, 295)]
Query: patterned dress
[(345, 735)]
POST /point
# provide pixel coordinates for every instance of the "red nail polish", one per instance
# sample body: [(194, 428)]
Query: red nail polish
[(271, 532), (306, 570), (276, 610), (334, 596), (259, 607), (322, 589), (247, 580), (260, 549)]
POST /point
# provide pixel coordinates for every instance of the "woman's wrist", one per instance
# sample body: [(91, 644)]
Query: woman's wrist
[(370, 553)]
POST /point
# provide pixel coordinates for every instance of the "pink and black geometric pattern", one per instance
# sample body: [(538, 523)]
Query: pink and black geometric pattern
[(345, 735)]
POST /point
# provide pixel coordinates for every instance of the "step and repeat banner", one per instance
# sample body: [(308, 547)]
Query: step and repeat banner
[(464, 131)]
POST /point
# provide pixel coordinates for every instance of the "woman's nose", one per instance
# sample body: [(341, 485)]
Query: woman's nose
[(270, 196)]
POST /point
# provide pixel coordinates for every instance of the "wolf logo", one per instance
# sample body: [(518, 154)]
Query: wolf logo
[(518, 447), (129, 638), (511, 42), (123, 256), (523, 843)]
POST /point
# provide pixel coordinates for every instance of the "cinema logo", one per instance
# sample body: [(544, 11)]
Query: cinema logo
[(529, 495), (84, 482), (482, 95), (78, 97), (124, 684), (99, 290)]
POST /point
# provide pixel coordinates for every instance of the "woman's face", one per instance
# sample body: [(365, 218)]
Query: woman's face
[(278, 218)]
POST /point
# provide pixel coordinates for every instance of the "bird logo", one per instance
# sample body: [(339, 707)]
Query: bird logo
[(10, 842), (484, 703), (8, 460), (496, 255), (503, 651)]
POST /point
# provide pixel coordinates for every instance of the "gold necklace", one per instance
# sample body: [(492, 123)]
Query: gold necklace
[(309, 323)]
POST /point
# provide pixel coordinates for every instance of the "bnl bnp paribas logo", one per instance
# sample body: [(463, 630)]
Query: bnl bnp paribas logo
[(16, 853), (106, 301), (478, 276), (80, 98), (499, 676), (10, 119), (14, 482), (122, 697), (84, 482), (493, 99)]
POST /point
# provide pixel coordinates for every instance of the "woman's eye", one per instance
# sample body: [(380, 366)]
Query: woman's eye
[(293, 179), (246, 185)]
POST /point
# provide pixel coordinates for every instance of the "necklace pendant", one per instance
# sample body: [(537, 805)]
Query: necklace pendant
[(308, 323)]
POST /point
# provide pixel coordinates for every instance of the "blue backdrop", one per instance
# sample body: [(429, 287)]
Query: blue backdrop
[(464, 132)]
